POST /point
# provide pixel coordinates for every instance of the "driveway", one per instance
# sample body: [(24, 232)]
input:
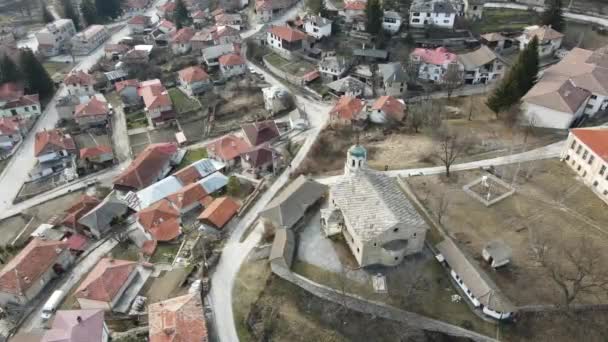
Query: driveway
[(120, 137)]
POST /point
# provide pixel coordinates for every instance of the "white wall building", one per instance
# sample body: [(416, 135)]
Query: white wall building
[(54, 36), (88, 40), (549, 40), (433, 64), (391, 22), (481, 66), (439, 13), (317, 26)]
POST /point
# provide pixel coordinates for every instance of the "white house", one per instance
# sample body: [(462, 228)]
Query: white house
[(232, 65), (83, 43), (194, 80), (317, 26), (10, 134), (79, 83), (180, 42), (285, 40), (53, 37), (569, 91), (439, 13), (387, 109), (157, 102), (333, 68), (394, 79), (586, 153), (391, 22), (433, 64), (381, 226), (481, 66), (549, 40), (354, 10), (139, 23), (15, 104), (53, 145)]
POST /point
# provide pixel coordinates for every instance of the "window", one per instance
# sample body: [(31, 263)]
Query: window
[(416, 14), (358, 250), (591, 158), (605, 192), (396, 258), (27, 109), (595, 183), (568, 157), (573, 145), (584, 173), (602, 169), (375, 244), (585, 154), (446, 21), (578, 149), (415, 20), (396, 230), (593, 97), (578, 168)]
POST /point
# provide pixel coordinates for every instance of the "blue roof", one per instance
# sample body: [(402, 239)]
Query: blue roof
[(214, 182), (358, 151)]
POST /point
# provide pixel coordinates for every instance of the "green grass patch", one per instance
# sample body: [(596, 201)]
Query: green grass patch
[(503, 19), (276, 60), (136, 120), (125, 251), (165, 252), (192, 156), (56, 67), (181, 102)]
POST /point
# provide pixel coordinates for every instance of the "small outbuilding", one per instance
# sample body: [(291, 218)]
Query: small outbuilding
[(283, 249), (497, 253)]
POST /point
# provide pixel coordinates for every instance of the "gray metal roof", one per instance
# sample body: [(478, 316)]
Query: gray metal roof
[(283, 247), (158, 191), (374, 53), (214, 182), (99, 218), (477, 58), (392, 14), (347, 84), (291, 204), (435, 6), (116, 75), (392, 72), (207, 166), (499, 250), (217, 51)]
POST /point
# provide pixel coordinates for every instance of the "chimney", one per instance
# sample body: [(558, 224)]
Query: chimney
[(78, 319)]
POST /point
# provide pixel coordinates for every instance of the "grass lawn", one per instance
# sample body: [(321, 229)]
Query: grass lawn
[(181, 102), (276, 60), (165, 252), (504, 19), (192, 156), (136, 120), (125, 251), (249, 284), (55, 67)]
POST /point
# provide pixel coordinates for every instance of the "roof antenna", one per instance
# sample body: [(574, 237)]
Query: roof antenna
[(357, 138)]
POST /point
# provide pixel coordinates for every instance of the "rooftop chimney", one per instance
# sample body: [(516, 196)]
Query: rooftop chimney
[(79, 319)]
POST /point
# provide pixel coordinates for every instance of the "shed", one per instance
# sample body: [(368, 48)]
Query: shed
[(283, 248), (497, 253), (219, 212)]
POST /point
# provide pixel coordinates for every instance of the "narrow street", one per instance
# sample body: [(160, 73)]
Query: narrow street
[(120, 137)]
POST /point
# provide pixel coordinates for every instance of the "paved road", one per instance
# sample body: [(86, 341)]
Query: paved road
[(567, 14)]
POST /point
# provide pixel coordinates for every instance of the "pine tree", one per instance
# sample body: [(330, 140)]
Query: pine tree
[(374, 13), (317, 7), (9, 72), (530, 66), (180, 14), (89, 12), (70, 13), (108, 8), (47, 17), (36, 78), (554, 16)]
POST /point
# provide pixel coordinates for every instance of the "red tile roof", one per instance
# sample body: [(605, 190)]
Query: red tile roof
[(188, 175), (92, 152), (78, 210), (10, 91), (168, 6), (220, 211), (199, 15), (167, 24), (52, 141), (228, 147), (77, 242), (76, 326), (161, 220), (224, 31), (146, 167), (25, 268), (93, 107), (187, 196), (183, 35), (8, 126), (391, 106), (79, 77), (217, 12), (193, 74), (105, 280), (179, 319), (287, 33), (154, 94), (355, 5), (231, 59), (347, 108), (139, 20), (595, 138), (261, 132), (126, 83)]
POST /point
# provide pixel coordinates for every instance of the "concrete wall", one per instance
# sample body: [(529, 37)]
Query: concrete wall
[(589, 172), (93, 304), (549, 118), (282, 74)]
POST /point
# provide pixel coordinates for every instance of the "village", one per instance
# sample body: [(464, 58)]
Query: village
[(274, 170)]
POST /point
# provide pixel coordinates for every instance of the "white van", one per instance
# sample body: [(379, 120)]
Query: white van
[(51, 305)]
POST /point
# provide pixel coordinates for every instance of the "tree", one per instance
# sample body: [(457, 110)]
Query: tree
[(452, 78), (374, 14), (9, 72), (233, 187), (70, 13), (47, 16), (36, 78), (89, 12), (108, 8), (316, 7), (554, 16), (450, 147), (181, 14), (416, 116)]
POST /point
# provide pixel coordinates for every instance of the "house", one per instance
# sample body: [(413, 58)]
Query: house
[(586, 153), (136, 56), (391, 22), (53, 38), (348, 110), (157, 102), (78, 326), (317, 26), (178, 319), (219, 212), (198, 170), (15, 104), (96, 157), (98, 221), (214, 182), (477, 287), (473, 9), (194, 80), (107, 282), (212, 54), (381, 226), (260, 160), (28, 272), (283, 249), (84, 42), (166, 10), (180, 41), (292, 203), (353, 10), (229, 19), (569, 91), (66, 106), (228, 149), (93, 113), (156, 192), (257, 133), (232, 65), (151, 165), (139, 23), (348, 86), (202, 39), (225, 35), (333, 68), (80, 83), (497, 42), (497, 253), (161, 222), (481, 66), (394, 79), (10, 135), (165, 26), (432, 65), (135, 6), (84, 204), (264, 10), (387, 109), (276, 99), (115, 51), (53, 145), (363, 73), (127, 90), (439, 13), (187, 198), (549, 40), (198, 18), (285, 40)]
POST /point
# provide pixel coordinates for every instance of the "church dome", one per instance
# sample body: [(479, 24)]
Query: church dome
[(358, 151)]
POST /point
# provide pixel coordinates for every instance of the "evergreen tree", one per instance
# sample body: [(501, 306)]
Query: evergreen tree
[(374, 14), (9, 72), (36, 78), (47, 17), (317, 7), (108, 8), (529, 66), (70, 13), (89, 12), (180, 14), (554, 16)]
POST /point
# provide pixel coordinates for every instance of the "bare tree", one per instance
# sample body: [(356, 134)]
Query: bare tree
[(441, 208), (576, 268), (416, 116), (471, 107), (452, 78), (450, 147)]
